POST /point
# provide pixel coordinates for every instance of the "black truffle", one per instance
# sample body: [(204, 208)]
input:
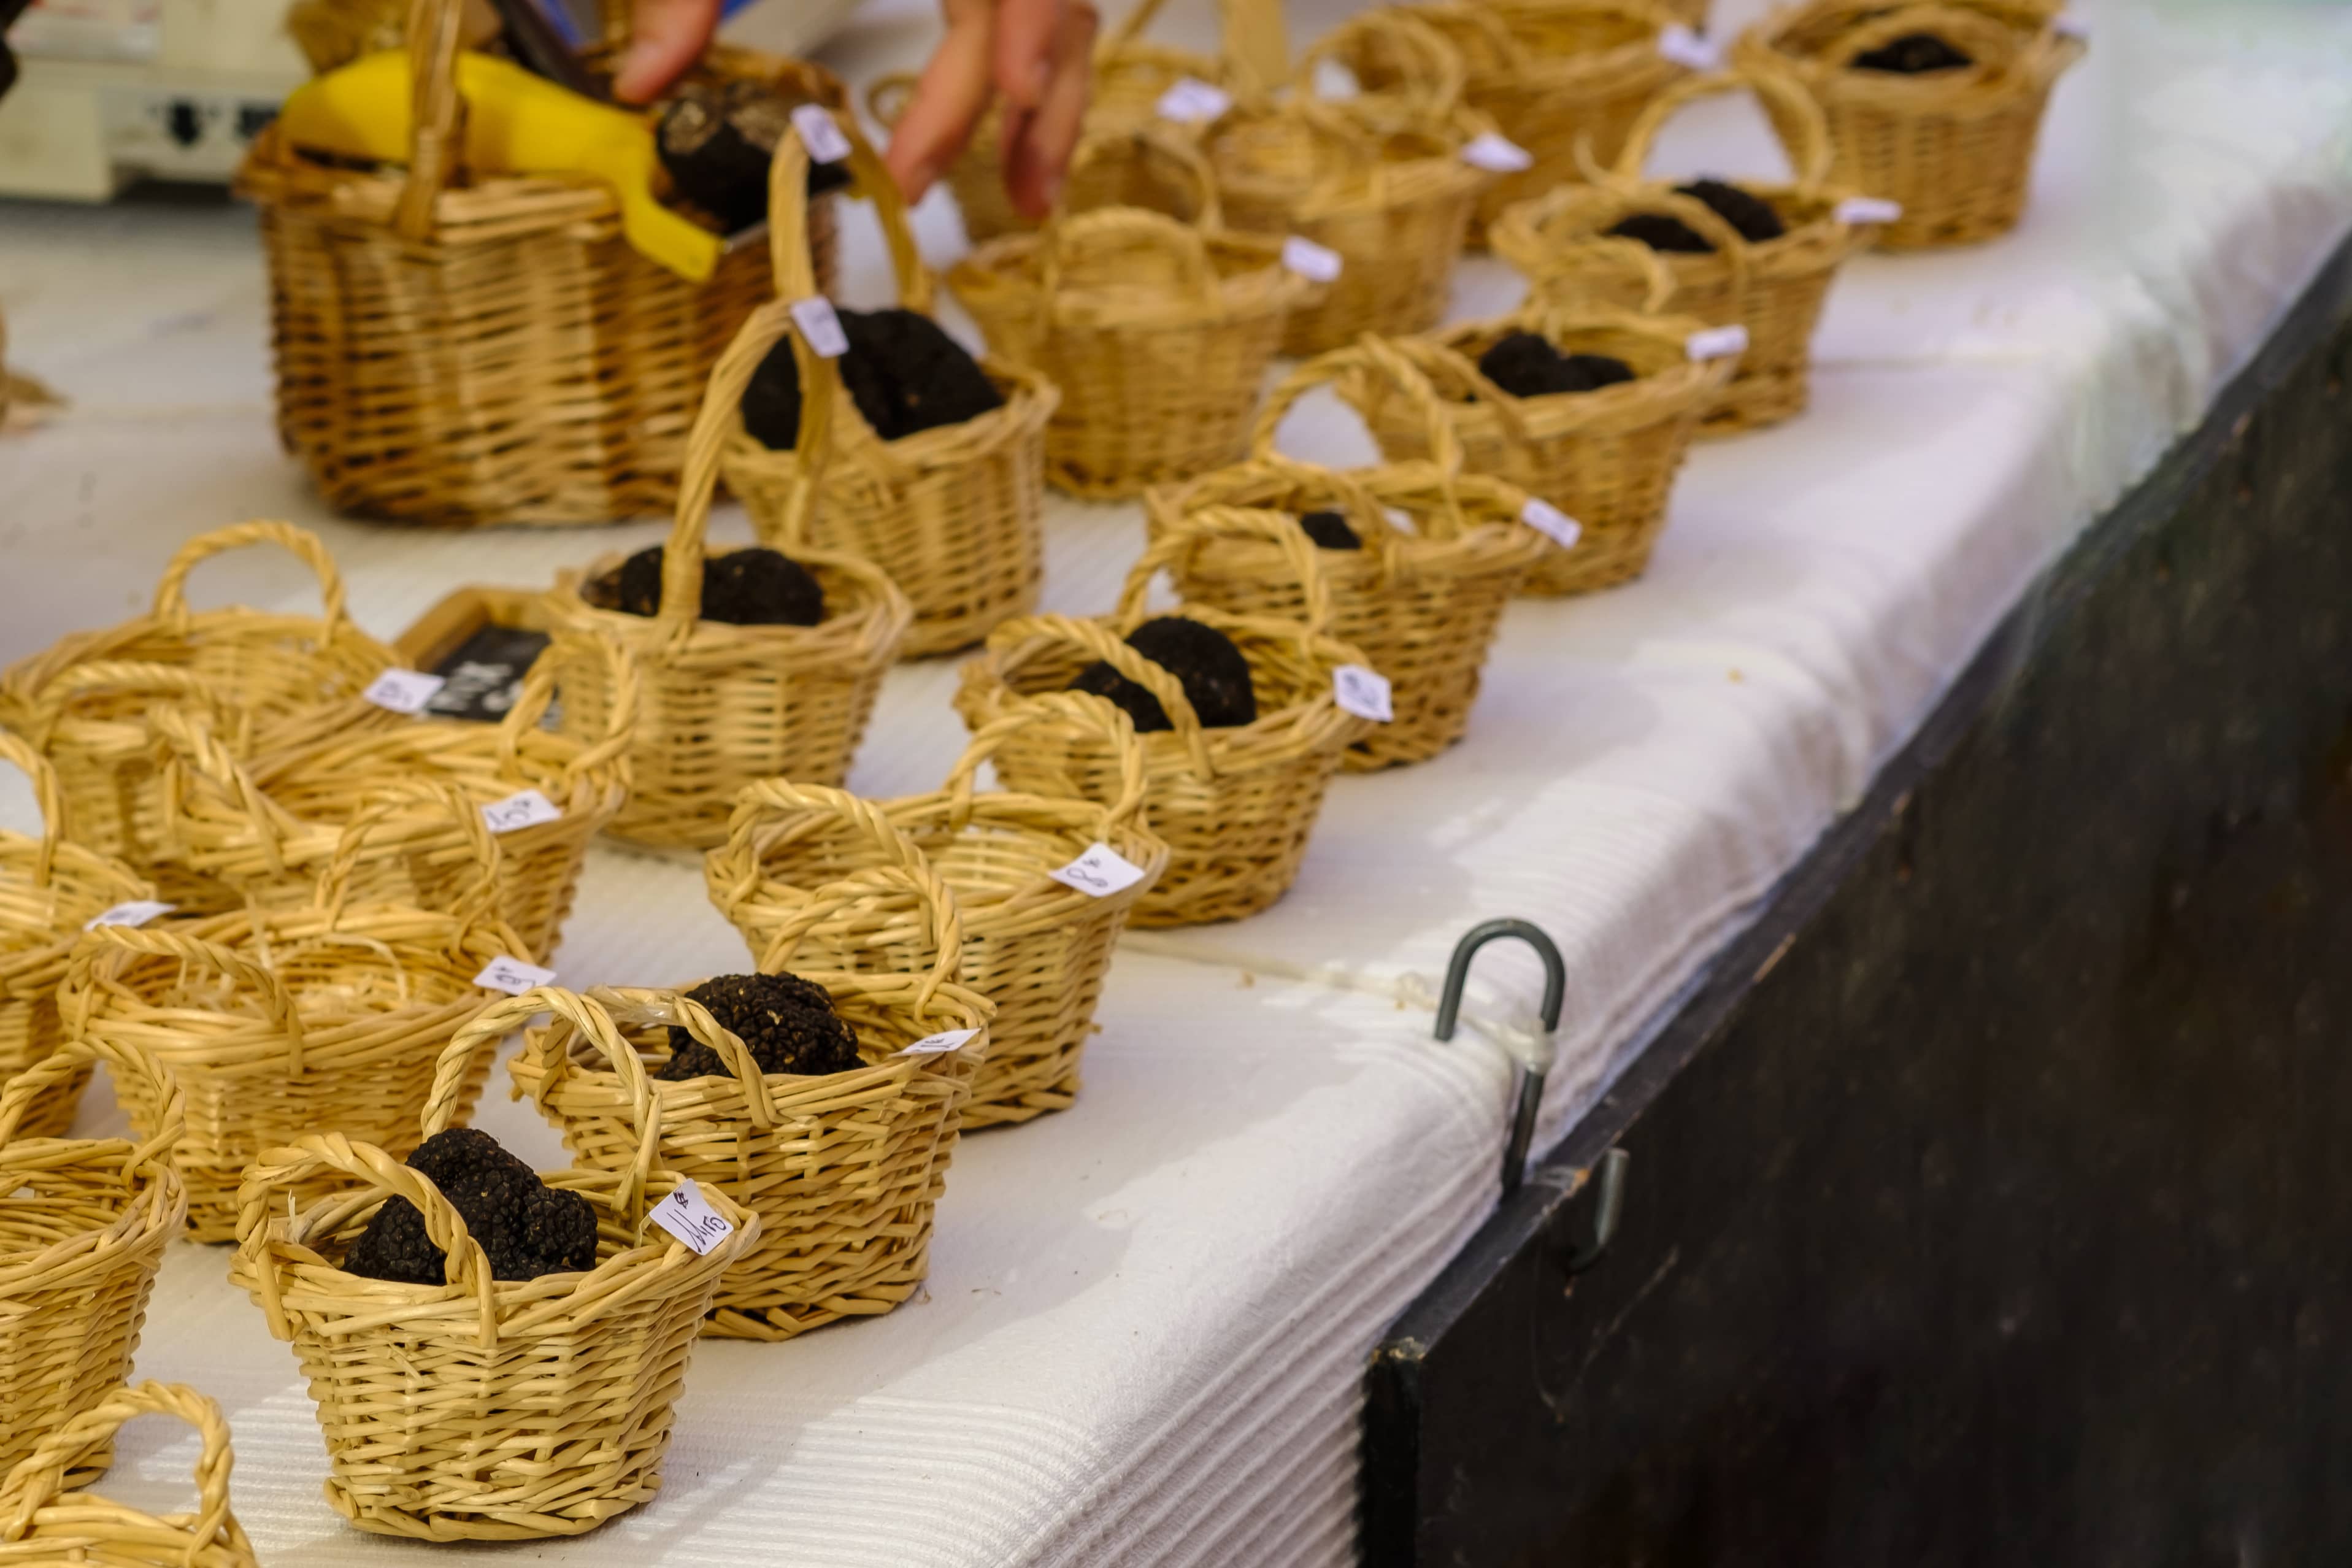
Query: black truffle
[(525, 1227), (1748, 213), (1526, 365), (1214, 675), (787, 1024), (902, 369), (1329, 530), (1661, 231), (750, 587), (717, 141), (1912, 54)]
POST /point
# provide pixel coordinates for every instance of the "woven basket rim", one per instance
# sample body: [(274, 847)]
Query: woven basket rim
[(1427, 177), (2043, 53), (1548, 69), (1030, 401), (1496, 540), (999, 280), (875, 624)]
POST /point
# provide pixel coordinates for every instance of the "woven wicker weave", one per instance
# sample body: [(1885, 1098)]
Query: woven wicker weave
[(462, 353), (954, 514), (82, 1231), (277, 1023), (481, 1409), (1774, 289), (844, 1169), (48, 891), (44, 1519), (1036, 947), (1607, 457), (1158, 332), (1423, 605), (1955, 147), (1234, 804)]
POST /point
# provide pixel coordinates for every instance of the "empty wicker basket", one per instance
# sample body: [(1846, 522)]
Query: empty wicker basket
[(1954, 147), (1035, 946), (844, 1169), (954, 514), (44, 1518), (481, 1409)]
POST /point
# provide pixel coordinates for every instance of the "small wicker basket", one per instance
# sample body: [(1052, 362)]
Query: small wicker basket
[(82, 1232), (1158, 332), (481, 1409), (1774, 289), (1423, 605), (954, 514), (844, 1169), (1954, 147), (277, 1023), (1036, 947), (49, 889), (1236, 805), (460, 352), (44, 1520), (1606, 458)]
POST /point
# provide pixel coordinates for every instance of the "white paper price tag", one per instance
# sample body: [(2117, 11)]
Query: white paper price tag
[(685, 1216), (1316, 263), (1496, 154), (1551, 523), (1716, 342), (2071, 27), (137, 912), (935, 1045), (1101, 871), (513, 975), (527, 809), (1679, 43), (819, 134), (1192, 101), (1363, 694), (404, 690), (1868, 209), (820, 326)]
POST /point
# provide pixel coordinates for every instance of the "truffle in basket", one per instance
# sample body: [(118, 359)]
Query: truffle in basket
[(1745, 211), (786, 1022), (1526, 365), (750, 587), (1204, 660), (1912, 54), (525, 1227), (903, 371), (717, 139), (1329, 530)]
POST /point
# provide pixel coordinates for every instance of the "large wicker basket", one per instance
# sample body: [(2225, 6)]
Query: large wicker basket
[(1234, 804), (1036, 947), (279, 1022), (49, 890), (1773, 290), (1607, 458), (466, 352), (82, 1232), (843, 1169), (481, 1409), (44, 1518), (1954, 147), (1423, 605), (954, 514)]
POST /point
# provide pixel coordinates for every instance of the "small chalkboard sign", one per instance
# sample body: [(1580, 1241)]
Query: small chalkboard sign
[(484, 674)]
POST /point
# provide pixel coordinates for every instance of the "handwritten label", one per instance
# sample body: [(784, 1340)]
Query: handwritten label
[(820, 326), (935, 1045), (513, 975), (1101, 871), (137, 912), (1192, 101), (687, 1216), (1679, 43), (1363, 694), (1496, 154), (527, 809), (1868, 209), (404, 690), (1716, 342), (1316, 263), (819, 134), (1551, 523)]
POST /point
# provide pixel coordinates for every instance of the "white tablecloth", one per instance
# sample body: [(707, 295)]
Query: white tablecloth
[(1148, 1318)]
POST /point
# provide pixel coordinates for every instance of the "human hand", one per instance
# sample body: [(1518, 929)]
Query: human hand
[(1037, 57), (665, 38)]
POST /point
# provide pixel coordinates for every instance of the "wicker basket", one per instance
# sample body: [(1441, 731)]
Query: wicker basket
[(42, 1518), (481, 1409), (48, 891), (1159, 333), (462, 353), (1234, 804), (1423, 605), (1956, 147), (954, 515), (82, 1232), (269, 828), (1036, 947), (1607, 458), (277, 1023), (271, 679), (1774, 289), (843, 1169)]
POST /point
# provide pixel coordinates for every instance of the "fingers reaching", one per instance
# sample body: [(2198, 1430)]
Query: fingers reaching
[(666, 36), (949, 99), (1037, 149)]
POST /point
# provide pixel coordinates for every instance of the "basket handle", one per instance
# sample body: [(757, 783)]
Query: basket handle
[(435, 31), (635, 1004), (1872, 27), (683, 553), (107, 676), (171, 589), (1067, 240), (1810, 153), (472, 904), (1333, 366), (1184, 535), (162, 941), (44, 780), (1440, 372), (1083, 709), (1098, 641), (195, 752), (540, 684), (1208, 205), (1430, 71), (915, 878), (39, 1478), (158, 1087)]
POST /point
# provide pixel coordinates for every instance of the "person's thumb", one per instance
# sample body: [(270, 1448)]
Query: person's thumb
[(666, 36)]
